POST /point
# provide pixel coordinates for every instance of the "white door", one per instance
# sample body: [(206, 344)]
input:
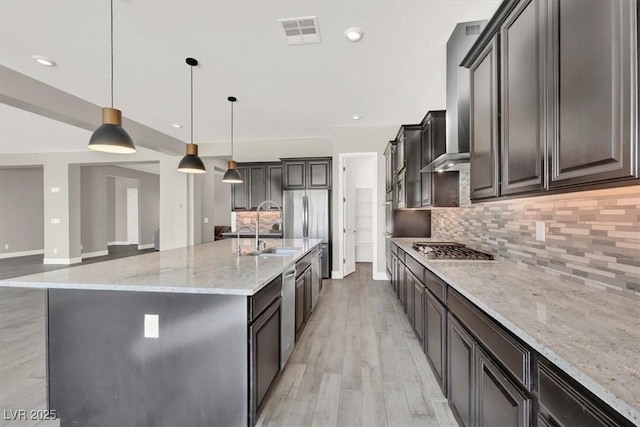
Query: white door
[(132, 216), (364, 225), (349, 221)]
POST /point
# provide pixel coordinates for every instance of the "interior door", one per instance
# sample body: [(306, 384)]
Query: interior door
[(132, 216), (349, 203)]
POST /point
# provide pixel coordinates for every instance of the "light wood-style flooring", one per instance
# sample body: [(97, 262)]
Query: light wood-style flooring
[(358, 362)]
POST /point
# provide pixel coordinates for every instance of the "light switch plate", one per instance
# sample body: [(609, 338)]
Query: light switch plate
[(151, 326), (55, 220), (55, 189), (206, 220), (540, 231)]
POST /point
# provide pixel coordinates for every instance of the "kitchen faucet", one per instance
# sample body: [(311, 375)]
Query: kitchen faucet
[(258, 241), (238, 237)]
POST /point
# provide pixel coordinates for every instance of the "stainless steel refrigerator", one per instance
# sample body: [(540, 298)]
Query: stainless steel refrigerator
[(307, 214)]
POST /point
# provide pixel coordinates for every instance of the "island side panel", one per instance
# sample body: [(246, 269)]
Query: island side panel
[(103, 372)]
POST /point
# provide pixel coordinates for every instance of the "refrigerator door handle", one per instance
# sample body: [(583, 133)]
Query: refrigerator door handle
[(305, 215)]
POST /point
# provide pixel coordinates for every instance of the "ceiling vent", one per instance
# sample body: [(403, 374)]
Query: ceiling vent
[(301, 30)]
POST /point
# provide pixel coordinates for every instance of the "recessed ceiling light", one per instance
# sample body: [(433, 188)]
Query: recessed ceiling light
[(44, 61), (440, 170), (356, 117), (176, 125), (354, 34), (451, 165)]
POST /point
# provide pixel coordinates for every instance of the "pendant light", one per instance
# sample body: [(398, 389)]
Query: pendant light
[(232, 175), (191, 163), (110, 137)]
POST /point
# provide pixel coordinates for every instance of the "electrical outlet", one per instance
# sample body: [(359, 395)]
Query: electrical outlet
[(540, 231), (6, 246), (55, 189), (55, 220), (206, 220), (151, 326), (55, 251)]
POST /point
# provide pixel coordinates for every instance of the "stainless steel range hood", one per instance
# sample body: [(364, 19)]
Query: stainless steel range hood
[(461, 40)]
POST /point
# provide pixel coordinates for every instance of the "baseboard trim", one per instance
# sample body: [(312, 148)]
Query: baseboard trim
[(146, 246), (337, 275), (94, 254), (117, 243), (64, 261), (22, 253), (380, 276)]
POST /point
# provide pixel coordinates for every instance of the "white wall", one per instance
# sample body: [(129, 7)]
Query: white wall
[(21, 211), (120, 214), (222, 207), (273, 151)]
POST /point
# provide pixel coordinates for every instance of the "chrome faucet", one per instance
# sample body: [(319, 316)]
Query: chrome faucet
[(258, 241), (238, 237)]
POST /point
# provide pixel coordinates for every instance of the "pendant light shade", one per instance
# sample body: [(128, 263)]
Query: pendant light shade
[(110, 137), (232, 175), (191, 163)]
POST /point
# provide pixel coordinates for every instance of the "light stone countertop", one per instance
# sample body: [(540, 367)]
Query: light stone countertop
[(208, 268), (591, 334)]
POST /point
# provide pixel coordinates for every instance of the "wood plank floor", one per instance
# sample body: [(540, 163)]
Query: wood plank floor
[(358, 363)]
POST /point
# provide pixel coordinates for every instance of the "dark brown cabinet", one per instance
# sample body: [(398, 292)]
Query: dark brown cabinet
[(399, 153), (566, 116), (593, 91), (264, 346), (435, 318), (522, 56), (418, 309), (402, 283), (261, 181), (461, 371), (499, 402), (484, 123), (388, 163), (303, 300), (562, 403), (303, 173), (412, 137), (410, 284)]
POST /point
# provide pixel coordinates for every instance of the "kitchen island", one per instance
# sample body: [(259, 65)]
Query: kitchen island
[(563, 349), (167, 338)]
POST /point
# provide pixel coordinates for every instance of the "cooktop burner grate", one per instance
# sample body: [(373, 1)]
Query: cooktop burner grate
[(450, 251)]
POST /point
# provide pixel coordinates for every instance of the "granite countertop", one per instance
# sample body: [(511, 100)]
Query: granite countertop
[(591, 334), (208, 268), (267, 234)]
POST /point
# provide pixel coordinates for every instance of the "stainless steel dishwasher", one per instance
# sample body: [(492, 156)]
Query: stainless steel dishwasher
[(288, 313)]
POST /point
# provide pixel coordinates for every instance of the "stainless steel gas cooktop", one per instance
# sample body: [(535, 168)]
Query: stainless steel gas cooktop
[(450, 251)]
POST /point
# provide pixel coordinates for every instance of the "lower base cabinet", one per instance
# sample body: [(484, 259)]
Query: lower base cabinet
[(461, 367), (303, 300), (435, 319)]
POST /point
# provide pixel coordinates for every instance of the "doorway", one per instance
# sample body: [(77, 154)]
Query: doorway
[(132, 216), (358, 214)]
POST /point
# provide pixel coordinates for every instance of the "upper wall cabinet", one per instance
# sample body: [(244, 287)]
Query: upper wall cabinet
[(594, 90), (261, 181), (568, 97), (523, 49), (411, 137), (303, 173), (483, 113), (439, 188)]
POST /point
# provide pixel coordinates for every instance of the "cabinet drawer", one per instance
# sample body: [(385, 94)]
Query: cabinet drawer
[(416, 268), (401, 254), (435, 285), (263, 299), (564, 405), (514, 356)]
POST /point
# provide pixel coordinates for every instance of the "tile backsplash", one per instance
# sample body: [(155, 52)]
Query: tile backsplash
[(592, 237), (267, 220)]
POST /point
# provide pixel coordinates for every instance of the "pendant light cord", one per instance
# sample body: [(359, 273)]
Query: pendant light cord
[(231, 130), (111, 53), (191, 104)]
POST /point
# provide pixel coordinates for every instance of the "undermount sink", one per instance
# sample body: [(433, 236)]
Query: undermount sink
[(274, 251)]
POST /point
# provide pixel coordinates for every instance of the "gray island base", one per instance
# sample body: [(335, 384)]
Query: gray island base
[(110, 364)]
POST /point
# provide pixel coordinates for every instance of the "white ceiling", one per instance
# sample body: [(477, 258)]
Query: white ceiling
[(392, 76)]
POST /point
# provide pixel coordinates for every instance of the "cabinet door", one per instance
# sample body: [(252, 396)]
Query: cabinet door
[(418, 309), (240, 192), (461, 369), (402, 285), (308, 282), (500, 403), (426, 156), (388, 161), (410, 293), (399, 158), (413, 177), (274, 185), (265, 357), (294, 175), (257, 185), (319, 174), (300, 304), (594, 91), (522, 56), (484, 123), (394, 273), (435, 337)]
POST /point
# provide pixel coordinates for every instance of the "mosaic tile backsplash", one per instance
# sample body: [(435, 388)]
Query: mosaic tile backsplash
[(267, 220), (592, 237)]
